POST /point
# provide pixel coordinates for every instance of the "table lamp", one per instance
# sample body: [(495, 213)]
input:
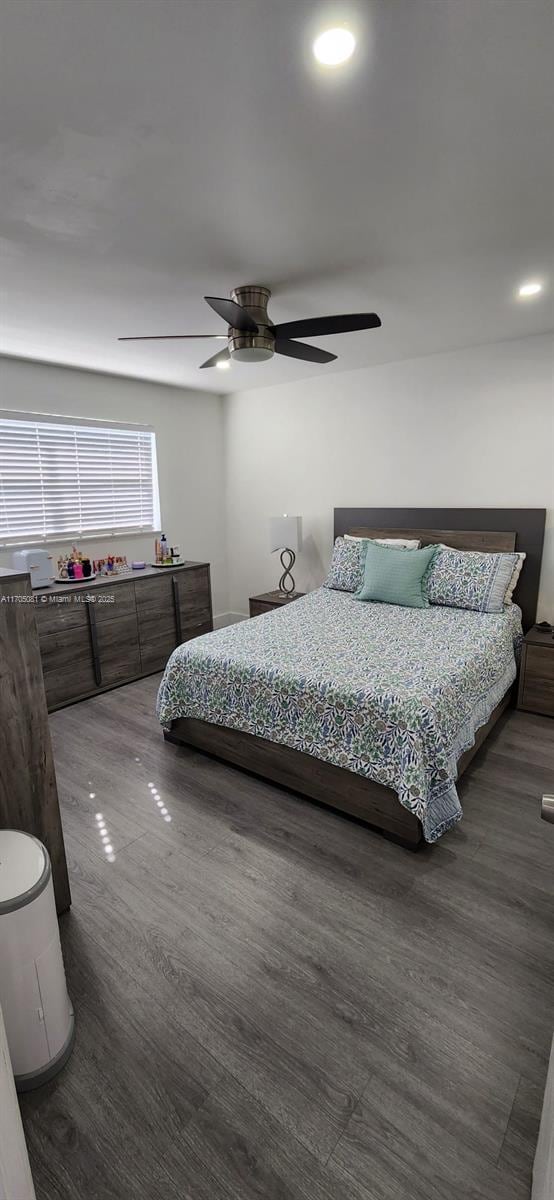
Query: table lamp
[(285, 534)]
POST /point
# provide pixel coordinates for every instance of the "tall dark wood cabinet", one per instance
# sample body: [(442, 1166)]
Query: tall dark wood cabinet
[(28, 792), (97, 635)]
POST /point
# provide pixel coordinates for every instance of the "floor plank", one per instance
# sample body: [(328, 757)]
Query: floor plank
[(274, 1002), (523, 1129), (398, 1152)]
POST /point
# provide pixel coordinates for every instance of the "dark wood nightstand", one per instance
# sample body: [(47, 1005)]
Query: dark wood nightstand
[(269, 600), (536, 680)]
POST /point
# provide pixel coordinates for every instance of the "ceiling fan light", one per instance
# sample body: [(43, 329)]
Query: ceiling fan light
[(251, 354)]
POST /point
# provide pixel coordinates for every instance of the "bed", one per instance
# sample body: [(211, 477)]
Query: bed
[(374, 709)]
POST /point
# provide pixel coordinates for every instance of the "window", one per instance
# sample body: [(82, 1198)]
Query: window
[(64, 478)]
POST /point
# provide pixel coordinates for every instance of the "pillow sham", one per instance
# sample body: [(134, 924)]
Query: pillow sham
[(401, 543), (396, 576), (470, 579), (508, 598), (347, 566)]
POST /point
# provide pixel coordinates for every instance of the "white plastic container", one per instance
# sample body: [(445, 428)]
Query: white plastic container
[(37, 1011), (15, 1172), (38, 563)]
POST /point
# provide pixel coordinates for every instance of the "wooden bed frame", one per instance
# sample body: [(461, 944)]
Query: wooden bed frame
[(378, 806)]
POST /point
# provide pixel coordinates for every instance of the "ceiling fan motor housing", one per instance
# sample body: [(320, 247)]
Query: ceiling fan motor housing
[(252, 347)]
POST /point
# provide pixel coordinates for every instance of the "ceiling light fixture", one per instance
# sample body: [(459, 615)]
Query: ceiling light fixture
[(223, 366), (334, 47), (531, 288)]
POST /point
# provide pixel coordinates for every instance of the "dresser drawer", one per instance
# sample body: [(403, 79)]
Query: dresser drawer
[(194, 629), (537, 693), (193, 588), (116, 601), (155, 594), (156, 606), (67, 665), (155, 649), (118, 649), (58, 612)]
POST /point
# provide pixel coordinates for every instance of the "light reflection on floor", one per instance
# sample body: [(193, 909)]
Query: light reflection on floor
[(104, 836), (164, 812), (101, 824)]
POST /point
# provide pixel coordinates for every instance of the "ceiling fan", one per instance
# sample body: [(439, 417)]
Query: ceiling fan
[(252, 336)]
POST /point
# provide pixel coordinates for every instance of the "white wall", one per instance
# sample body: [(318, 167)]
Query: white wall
[(189, 440), (466, 428)]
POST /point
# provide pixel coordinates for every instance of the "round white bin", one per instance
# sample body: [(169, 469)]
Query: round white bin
[(33, 995)]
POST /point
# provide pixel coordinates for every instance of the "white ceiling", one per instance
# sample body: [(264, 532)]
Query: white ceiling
[(158, 150)]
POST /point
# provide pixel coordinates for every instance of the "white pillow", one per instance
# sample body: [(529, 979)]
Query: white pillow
[(400, 543)]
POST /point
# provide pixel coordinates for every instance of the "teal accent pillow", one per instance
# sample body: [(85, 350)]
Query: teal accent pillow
[(397, 576)]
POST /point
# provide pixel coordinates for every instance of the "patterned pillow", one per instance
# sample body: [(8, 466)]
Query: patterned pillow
[(470, 579), (508, 598), (346, 572)]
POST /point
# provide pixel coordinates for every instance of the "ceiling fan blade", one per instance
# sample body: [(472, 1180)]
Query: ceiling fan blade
[(221, 356), (233, 314), (168, 337), (299, 350), (322, 326)]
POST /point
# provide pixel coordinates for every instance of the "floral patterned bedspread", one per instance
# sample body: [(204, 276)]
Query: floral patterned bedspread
[(395, 694)]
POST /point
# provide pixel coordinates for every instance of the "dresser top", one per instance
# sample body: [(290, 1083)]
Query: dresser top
[(11, 573), (89, 585)]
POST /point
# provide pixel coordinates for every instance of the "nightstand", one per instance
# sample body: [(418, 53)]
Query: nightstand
[(269, 600), (536, 680)]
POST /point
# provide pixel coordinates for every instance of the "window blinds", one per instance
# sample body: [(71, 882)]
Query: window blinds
[(63, 478)]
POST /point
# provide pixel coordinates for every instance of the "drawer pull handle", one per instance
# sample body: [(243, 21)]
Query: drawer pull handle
[(177, 610), (547, 809), (94, 645)]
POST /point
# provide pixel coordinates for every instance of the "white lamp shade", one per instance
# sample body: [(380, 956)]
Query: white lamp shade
[(285, 533)]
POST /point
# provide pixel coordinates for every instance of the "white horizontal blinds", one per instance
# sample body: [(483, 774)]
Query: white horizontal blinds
[(64, 479)]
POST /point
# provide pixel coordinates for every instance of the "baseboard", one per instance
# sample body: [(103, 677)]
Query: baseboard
[(229, 618)]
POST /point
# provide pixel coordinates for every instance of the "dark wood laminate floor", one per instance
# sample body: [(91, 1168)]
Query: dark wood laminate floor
[(273, 1002)]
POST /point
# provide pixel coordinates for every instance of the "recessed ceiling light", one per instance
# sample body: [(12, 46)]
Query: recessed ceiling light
[(531, 288), (334, 46), (224, 365)]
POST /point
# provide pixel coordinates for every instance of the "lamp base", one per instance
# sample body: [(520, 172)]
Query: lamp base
[(286, 583)]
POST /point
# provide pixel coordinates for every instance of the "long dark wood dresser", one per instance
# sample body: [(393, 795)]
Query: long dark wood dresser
[(96, 635)]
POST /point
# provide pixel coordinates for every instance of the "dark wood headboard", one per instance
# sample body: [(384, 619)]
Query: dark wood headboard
[(489, 529)]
